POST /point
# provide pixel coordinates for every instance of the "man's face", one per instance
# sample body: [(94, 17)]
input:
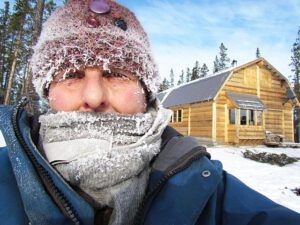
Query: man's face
[(95, 90)]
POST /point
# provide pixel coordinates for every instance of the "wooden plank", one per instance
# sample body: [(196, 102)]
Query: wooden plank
[(201, 109), (189, 122), (258, 80), (226, 124), (292, 118), (282, 123), (200, 104), (214, 121)]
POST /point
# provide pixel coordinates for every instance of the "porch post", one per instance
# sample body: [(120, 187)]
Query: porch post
[(214, 122)]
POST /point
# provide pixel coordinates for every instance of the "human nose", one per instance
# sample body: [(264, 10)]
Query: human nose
[(94, 93)]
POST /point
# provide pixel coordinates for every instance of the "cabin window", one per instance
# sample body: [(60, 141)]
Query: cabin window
[(175, 116), (243, 116), (251, 117), (179, 116), (231, 116), (259, 118)]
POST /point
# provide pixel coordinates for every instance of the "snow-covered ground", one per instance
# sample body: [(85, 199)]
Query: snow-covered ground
[(273, 181), (2, 142)]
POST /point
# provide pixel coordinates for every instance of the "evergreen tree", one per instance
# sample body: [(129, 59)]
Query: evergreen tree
[(188, 75), (19, 32), (4, 38), (258, 53), (195, 71), (224, 59), (181, 78), (216, 65), (171, 82), (28, 89), (50, 6), (18, 20), (295, 64), (204, 70), (165, 85)]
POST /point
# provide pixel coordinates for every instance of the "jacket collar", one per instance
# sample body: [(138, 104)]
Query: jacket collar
[(182, 180), (183, 197), (182, 161), (37, 202)]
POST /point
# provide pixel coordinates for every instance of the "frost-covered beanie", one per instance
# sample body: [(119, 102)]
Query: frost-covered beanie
[(85, 33)]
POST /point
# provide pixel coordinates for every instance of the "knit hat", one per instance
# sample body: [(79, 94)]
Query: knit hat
[(85, 33)]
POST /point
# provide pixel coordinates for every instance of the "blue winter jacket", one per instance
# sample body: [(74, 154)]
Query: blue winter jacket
[(185, 187)]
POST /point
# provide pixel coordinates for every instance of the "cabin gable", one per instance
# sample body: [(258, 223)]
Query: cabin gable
[(271, 90), (237, 106)]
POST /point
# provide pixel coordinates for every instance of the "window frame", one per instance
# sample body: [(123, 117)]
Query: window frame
[(175, 116), (255, 117), (262, 118), (240, 119), (249, 117), (235, 116), (181, 112)]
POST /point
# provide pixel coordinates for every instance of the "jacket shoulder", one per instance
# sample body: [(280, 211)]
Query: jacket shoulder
[(11, 210), (6, 113), (243, 204)]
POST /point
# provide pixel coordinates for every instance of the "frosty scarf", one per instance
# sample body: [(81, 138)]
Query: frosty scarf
[(106, 155)]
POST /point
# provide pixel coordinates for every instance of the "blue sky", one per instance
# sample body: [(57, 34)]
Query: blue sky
[(183, 31)]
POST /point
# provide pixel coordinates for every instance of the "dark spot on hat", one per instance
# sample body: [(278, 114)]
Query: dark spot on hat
[(119, 22)]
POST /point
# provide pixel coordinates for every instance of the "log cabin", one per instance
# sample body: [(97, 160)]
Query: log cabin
[(235, 106)]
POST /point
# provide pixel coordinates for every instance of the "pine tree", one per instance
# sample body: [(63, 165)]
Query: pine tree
[(4, 21), (195, 71), (165, 85), (28, 89), (50, 6), (181, 78), (18, 19), (258, 53), (204, 70), (216, 65), (18, 34), (295, 64), (188, 75), (171, 82), (224, 59)]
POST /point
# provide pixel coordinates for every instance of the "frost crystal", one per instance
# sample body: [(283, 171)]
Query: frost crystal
[(105, 149), (67, 43)]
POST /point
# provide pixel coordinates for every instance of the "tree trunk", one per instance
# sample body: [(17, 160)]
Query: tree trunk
[(3, 40), (29, 90), (24, 78), (13, 68)]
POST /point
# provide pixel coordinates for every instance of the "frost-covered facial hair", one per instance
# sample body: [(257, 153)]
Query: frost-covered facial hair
[(75, 37), (105, 155)]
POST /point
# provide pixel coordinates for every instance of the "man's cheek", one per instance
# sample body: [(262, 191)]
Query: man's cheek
[(57, 100), (137, 99)]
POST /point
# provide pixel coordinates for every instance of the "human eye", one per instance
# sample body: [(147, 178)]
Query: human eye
[(116, 75)]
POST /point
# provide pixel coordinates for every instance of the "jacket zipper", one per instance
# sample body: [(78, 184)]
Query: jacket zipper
[(139, 218), (56, 194)]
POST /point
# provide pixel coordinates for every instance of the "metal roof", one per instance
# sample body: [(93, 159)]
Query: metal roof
[(246, 101), (161, 95), (203, 89), (206, 89)]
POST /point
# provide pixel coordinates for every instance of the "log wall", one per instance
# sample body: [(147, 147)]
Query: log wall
[(196, 120), (211, 119), (271, 89)]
